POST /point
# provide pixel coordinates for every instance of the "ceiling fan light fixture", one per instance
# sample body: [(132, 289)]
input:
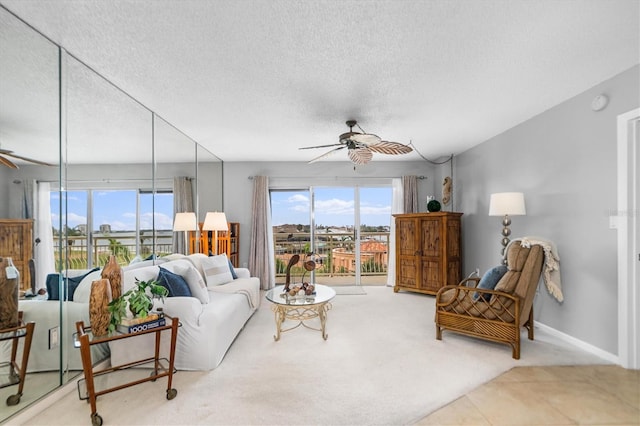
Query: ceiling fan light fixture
[(361, 146)]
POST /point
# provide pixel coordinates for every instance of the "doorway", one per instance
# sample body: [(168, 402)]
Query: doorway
[(345, 230), (626, 222)]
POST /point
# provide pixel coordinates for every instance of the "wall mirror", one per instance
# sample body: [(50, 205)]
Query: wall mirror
[(175, 171), (208, 183), (107, 178), (29, 113), (109, 190)]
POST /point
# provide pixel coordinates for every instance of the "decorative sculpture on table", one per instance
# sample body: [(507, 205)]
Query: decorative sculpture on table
[(99, 315), (113, 272), (292, 261), (304, 288)]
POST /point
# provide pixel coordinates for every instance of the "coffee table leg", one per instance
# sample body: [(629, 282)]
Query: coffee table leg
[(322, 313), (279, 316)]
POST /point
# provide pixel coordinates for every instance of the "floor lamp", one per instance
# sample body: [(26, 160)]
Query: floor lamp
[(215, 221), (506, 204), (186, 222)]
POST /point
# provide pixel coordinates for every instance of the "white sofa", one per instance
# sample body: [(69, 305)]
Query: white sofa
[(210, 320), (208, 327)]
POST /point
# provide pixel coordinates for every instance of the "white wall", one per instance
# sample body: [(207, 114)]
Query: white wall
[(564, 160)]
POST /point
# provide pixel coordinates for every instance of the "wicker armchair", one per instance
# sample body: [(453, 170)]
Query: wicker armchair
[(498, 315)]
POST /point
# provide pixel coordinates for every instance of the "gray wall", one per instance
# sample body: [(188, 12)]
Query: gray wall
[(564, 160)]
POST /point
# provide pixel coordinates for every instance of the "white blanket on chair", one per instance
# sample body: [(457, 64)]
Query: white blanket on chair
[(551, 269)]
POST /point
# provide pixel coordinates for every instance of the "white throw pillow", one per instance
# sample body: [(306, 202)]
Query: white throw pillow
[(193, 278), (216, 270), (83, 291)]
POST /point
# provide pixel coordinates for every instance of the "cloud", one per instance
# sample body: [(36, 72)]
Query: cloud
[(334, 206), (298, 198)]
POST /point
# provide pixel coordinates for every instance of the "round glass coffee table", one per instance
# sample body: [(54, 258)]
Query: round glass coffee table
[(301, 308)]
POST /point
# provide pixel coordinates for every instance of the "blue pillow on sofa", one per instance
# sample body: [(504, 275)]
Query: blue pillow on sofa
[(176, 285), (489, 281), (69, 289), (233, 271)]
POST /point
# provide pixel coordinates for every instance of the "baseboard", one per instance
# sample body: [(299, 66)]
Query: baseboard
[(22, 417), (607, 356)]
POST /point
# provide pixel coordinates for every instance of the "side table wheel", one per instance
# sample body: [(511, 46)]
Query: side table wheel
[(96, 419), (171, 393), (14, 399)]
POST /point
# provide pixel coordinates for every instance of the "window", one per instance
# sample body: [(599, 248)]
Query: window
[(100, 223)]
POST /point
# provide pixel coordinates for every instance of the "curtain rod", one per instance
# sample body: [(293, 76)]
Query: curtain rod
[(340, 177), (106, 180)]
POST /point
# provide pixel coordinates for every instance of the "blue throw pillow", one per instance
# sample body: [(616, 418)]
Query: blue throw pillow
[(489, 281), (69, 288), (176, 285), (53, 286), (233, 271)]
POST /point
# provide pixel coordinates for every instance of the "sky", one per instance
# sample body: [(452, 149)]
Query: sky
[(116, 208), (333, 207)]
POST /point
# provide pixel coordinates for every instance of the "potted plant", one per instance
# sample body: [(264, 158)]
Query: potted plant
[(138, 299)]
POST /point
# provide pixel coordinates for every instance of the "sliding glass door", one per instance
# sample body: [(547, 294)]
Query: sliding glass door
[(344, 230)]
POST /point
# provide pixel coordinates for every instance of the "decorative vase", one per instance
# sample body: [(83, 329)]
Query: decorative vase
[(9, 288), (113, 272), (433, 206), (99, 315)]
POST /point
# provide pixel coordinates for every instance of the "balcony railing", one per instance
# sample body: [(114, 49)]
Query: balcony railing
[(334, 254), (123, 246)]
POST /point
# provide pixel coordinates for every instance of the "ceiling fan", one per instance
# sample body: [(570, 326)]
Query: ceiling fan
[(361, 145), (4, 153)]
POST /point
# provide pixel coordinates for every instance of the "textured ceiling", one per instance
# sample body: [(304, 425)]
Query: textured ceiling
[(256, 80)]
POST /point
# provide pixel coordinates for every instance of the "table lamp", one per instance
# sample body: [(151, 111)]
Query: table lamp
[(215, 221), (506, 204), (185, 221)]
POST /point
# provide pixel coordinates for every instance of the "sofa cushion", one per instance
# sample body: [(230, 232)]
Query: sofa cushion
[(176, 285), (216, 270), (186, 269), (70, 286), (489, 281)]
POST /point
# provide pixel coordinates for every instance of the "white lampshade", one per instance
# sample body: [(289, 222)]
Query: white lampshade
[(215, 221), (185, 221), (507, 203)]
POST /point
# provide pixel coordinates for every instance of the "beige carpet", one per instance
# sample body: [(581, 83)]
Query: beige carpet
[(381, 365)]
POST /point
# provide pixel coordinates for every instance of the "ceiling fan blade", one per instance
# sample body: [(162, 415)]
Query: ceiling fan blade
[(31, 160), (390, 148), (360, 155), (7, 162), (365, 138), (326, 154), (321, 146)]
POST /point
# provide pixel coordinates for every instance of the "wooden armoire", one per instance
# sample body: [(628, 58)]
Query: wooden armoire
[(16, 242), (428, 252)]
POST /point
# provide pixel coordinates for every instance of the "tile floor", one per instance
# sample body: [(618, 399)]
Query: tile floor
[(559, 395)]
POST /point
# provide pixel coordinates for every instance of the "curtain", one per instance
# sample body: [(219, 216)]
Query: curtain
[(396, 207), (410, 194), (261, 253), (29, 197), (43, 234), (182, 202)]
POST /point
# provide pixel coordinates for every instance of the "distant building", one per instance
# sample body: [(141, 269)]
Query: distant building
[(82, 229), (105, 228)]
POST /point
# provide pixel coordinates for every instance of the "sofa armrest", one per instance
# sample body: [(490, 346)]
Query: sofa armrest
[(187, 309), (242, 272)]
